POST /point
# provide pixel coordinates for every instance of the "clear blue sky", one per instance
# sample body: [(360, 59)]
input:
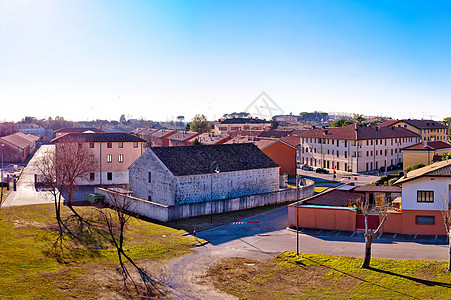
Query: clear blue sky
[(160, 59)]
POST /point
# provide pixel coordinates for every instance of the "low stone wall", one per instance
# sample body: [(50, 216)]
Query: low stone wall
[(167, 213)]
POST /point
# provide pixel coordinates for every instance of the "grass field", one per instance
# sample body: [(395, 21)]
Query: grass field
[(84, 269), (312, 276)]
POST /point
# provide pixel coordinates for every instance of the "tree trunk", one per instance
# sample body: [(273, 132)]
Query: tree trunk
[(367, 259), (449, 248)]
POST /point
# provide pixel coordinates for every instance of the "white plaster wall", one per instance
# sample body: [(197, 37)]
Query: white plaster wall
[(118, 178), (439, 185)]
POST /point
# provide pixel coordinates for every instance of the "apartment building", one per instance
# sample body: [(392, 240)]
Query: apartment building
[(354, 148), (113, 153), (241, 124), (429, 130)]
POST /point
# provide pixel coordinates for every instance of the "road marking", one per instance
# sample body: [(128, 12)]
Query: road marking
[(353, 234), (319, 231), (379, 236), (415, 237), (338, 233), (435, 237), (395, 235)]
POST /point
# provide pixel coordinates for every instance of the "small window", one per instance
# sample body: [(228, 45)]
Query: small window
[(135, 144), (149, 198), (109, 145), (425, 220), (109, 176), (425, 196), (120, 145), (92, 176), (120, 158), (91, 158), (109, 158), (91, 145), (149, 178)]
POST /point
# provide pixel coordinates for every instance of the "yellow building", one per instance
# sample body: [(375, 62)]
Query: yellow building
[(429, 130), (423, 153)]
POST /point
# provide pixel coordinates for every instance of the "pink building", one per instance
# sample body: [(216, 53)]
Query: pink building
[(114, 153)]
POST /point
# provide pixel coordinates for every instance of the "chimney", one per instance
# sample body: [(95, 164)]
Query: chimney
[(377, 128), (425, 144), (325, 132)]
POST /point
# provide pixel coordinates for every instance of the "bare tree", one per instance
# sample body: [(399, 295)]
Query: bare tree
[(74, 162), (445, 207), (369, 236), (116, 219)]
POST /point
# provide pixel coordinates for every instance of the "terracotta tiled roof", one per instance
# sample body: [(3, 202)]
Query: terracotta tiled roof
[(19, 139), (333, 198), (430, 146), (196, 160), (439, 169), (162, 133), (245, 133), (100, 137), (422, 124), (376, 188), (183, 136), (272, 133), (292, 140), (388, 123), (212, 138), (358, 132)]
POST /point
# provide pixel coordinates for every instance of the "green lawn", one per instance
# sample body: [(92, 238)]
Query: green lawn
[(312, 276), (84, 269)]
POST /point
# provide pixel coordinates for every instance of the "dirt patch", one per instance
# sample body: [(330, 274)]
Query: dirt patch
[(253, 279), (23, 223), (430, 272)]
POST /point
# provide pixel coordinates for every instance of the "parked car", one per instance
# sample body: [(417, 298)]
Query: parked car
[(399, 165), (321, 170), (306, 168), (391, 167), (382, 169)]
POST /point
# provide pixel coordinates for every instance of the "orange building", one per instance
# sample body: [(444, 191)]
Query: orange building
[(281, 153)]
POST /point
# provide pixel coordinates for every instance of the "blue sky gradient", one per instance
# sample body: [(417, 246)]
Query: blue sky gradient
[(160, 59)]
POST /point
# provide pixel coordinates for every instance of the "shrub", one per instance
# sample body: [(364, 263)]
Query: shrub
[(392, 181), (400, 174)]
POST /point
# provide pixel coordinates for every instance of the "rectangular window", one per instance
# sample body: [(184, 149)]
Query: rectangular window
[(149, 198), (149, 177), (109, 145), (109, 176), (120, 145), (91, 145), (92, 176), (346, 154), (135, 144), (120, 158), (425, 196), (109, 158), (425, 220)]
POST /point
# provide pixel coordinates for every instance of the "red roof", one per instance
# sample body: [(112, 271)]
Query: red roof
[(429, 146), (292, 140), (245, 133), (358, 132)]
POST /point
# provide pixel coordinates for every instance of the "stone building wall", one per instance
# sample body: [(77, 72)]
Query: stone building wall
[(200, 188)]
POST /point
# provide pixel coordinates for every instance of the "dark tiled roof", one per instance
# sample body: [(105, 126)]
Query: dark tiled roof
[(423, 124), (77, 129), (19, 139), (439, 169), (195, 160), (429, 146), (358, 132), (375, 188), (98, 137), (162, 133), (244, 121), (272, 133), (333, 198)]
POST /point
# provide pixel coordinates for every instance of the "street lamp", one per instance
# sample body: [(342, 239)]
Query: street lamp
[(211, 187), (298, 181)]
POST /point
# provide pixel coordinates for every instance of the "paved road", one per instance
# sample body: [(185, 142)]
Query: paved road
[(264, 240), (26, 193)]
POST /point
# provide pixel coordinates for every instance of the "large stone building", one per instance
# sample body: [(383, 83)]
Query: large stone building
[(193, 174), (356, 148), (113, 152)]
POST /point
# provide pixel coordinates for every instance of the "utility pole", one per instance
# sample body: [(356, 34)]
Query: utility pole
[(297, 214)]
